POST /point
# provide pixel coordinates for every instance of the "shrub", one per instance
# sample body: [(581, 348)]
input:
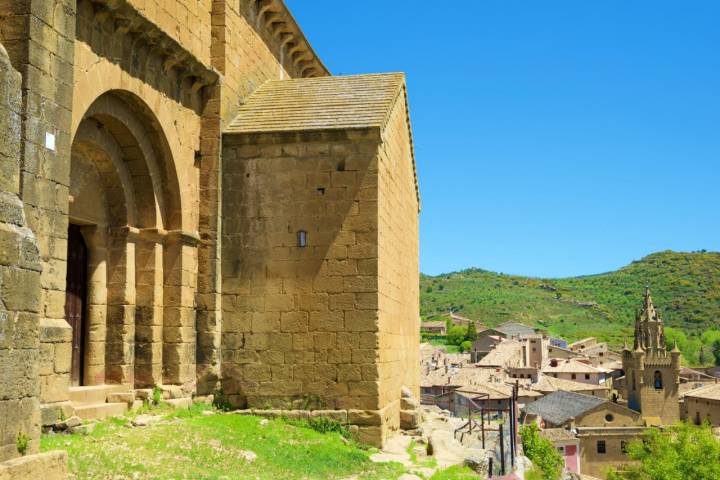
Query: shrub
[(683, 451), (22, 442), (220, 400), (327, 425), (156, 395), (541, 452)]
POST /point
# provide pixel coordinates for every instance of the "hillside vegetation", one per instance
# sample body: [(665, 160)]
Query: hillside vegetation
[(685, 288)]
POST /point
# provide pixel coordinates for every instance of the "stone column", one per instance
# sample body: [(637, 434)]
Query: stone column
[(96, 239), (179, 322), (120, 346), (149, 316), (209, 308)]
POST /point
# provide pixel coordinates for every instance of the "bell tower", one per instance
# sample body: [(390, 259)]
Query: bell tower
[(652, 374)]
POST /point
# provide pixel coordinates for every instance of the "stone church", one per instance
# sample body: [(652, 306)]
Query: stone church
[(189, 199)]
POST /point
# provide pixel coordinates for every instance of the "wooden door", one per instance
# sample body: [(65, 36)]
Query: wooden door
[(75, 298)]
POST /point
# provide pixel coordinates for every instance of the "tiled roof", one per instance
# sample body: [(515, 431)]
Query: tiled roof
[(559, 407), (558, 434), (570, 365), (501, 354), (708, 392), (324, 103), (550, 384), (515, 329)]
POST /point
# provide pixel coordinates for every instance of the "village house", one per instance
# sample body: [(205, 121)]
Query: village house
[(483, 346), (434, 328), (575, 370), (546, 385), (567, 444), (506, 354), (555, 351), (703, 405), (602, 428), (515, 330)]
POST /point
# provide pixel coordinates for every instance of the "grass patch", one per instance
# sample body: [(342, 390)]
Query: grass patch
[(187, 444), (457, 472)]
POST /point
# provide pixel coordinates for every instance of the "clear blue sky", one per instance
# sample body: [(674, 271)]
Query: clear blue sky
[(553, 138)]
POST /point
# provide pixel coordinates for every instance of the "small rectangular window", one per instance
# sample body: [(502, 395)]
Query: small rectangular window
[(587, 376), (574, 376), (302, 238), (601, 446)]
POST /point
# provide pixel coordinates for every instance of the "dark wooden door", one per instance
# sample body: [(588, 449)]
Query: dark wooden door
[(75, 298)]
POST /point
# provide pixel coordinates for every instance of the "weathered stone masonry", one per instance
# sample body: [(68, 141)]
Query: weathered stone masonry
[(129, 126), (333, 322), (20, 289)]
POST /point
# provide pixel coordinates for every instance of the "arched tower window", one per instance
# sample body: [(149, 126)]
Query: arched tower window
[(633, 381), (658, 382)]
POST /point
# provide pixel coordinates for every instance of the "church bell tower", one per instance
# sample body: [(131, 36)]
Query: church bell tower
[(652, 374)]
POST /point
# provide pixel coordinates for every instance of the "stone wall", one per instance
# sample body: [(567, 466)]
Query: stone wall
[(19, 285), (702, 410), (398, 269), (40, 39), (187, 22), (597, 464), (300, 324)]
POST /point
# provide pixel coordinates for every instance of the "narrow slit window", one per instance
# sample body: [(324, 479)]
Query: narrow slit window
[(302, 238)]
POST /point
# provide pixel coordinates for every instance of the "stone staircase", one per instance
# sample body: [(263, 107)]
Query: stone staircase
[(101, 401)]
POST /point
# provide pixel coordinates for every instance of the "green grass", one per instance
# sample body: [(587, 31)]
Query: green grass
[(534, 474), (189, 445), (457, 472), (685, 288)]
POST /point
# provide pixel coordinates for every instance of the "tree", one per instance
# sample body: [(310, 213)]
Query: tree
[(716, 352), (682, 452), (701, 355), (465, 346), (471, 334), (541, 452), (456, 335)]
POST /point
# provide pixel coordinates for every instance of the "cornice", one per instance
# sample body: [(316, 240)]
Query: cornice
[(126, 20), (280, 23)]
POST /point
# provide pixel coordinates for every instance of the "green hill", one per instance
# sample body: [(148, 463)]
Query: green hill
[(685, 288)]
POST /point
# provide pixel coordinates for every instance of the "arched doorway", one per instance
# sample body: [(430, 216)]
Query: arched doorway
[(125, 204)]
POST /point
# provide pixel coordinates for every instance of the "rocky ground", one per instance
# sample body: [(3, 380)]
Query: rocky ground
[(433, 446)]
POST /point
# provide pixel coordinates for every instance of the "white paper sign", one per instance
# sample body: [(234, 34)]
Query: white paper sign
[(50, 141)]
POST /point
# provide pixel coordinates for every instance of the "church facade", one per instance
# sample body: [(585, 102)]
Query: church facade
[(190, 200)]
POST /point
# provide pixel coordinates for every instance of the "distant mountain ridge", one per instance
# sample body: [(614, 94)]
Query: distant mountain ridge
[(685, 288)]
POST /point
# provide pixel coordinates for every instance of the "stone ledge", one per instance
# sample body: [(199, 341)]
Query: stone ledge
[(48, 466)]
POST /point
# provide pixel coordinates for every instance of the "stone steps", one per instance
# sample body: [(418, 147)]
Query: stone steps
[(95, 394), (100, 401), (99, 411)]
